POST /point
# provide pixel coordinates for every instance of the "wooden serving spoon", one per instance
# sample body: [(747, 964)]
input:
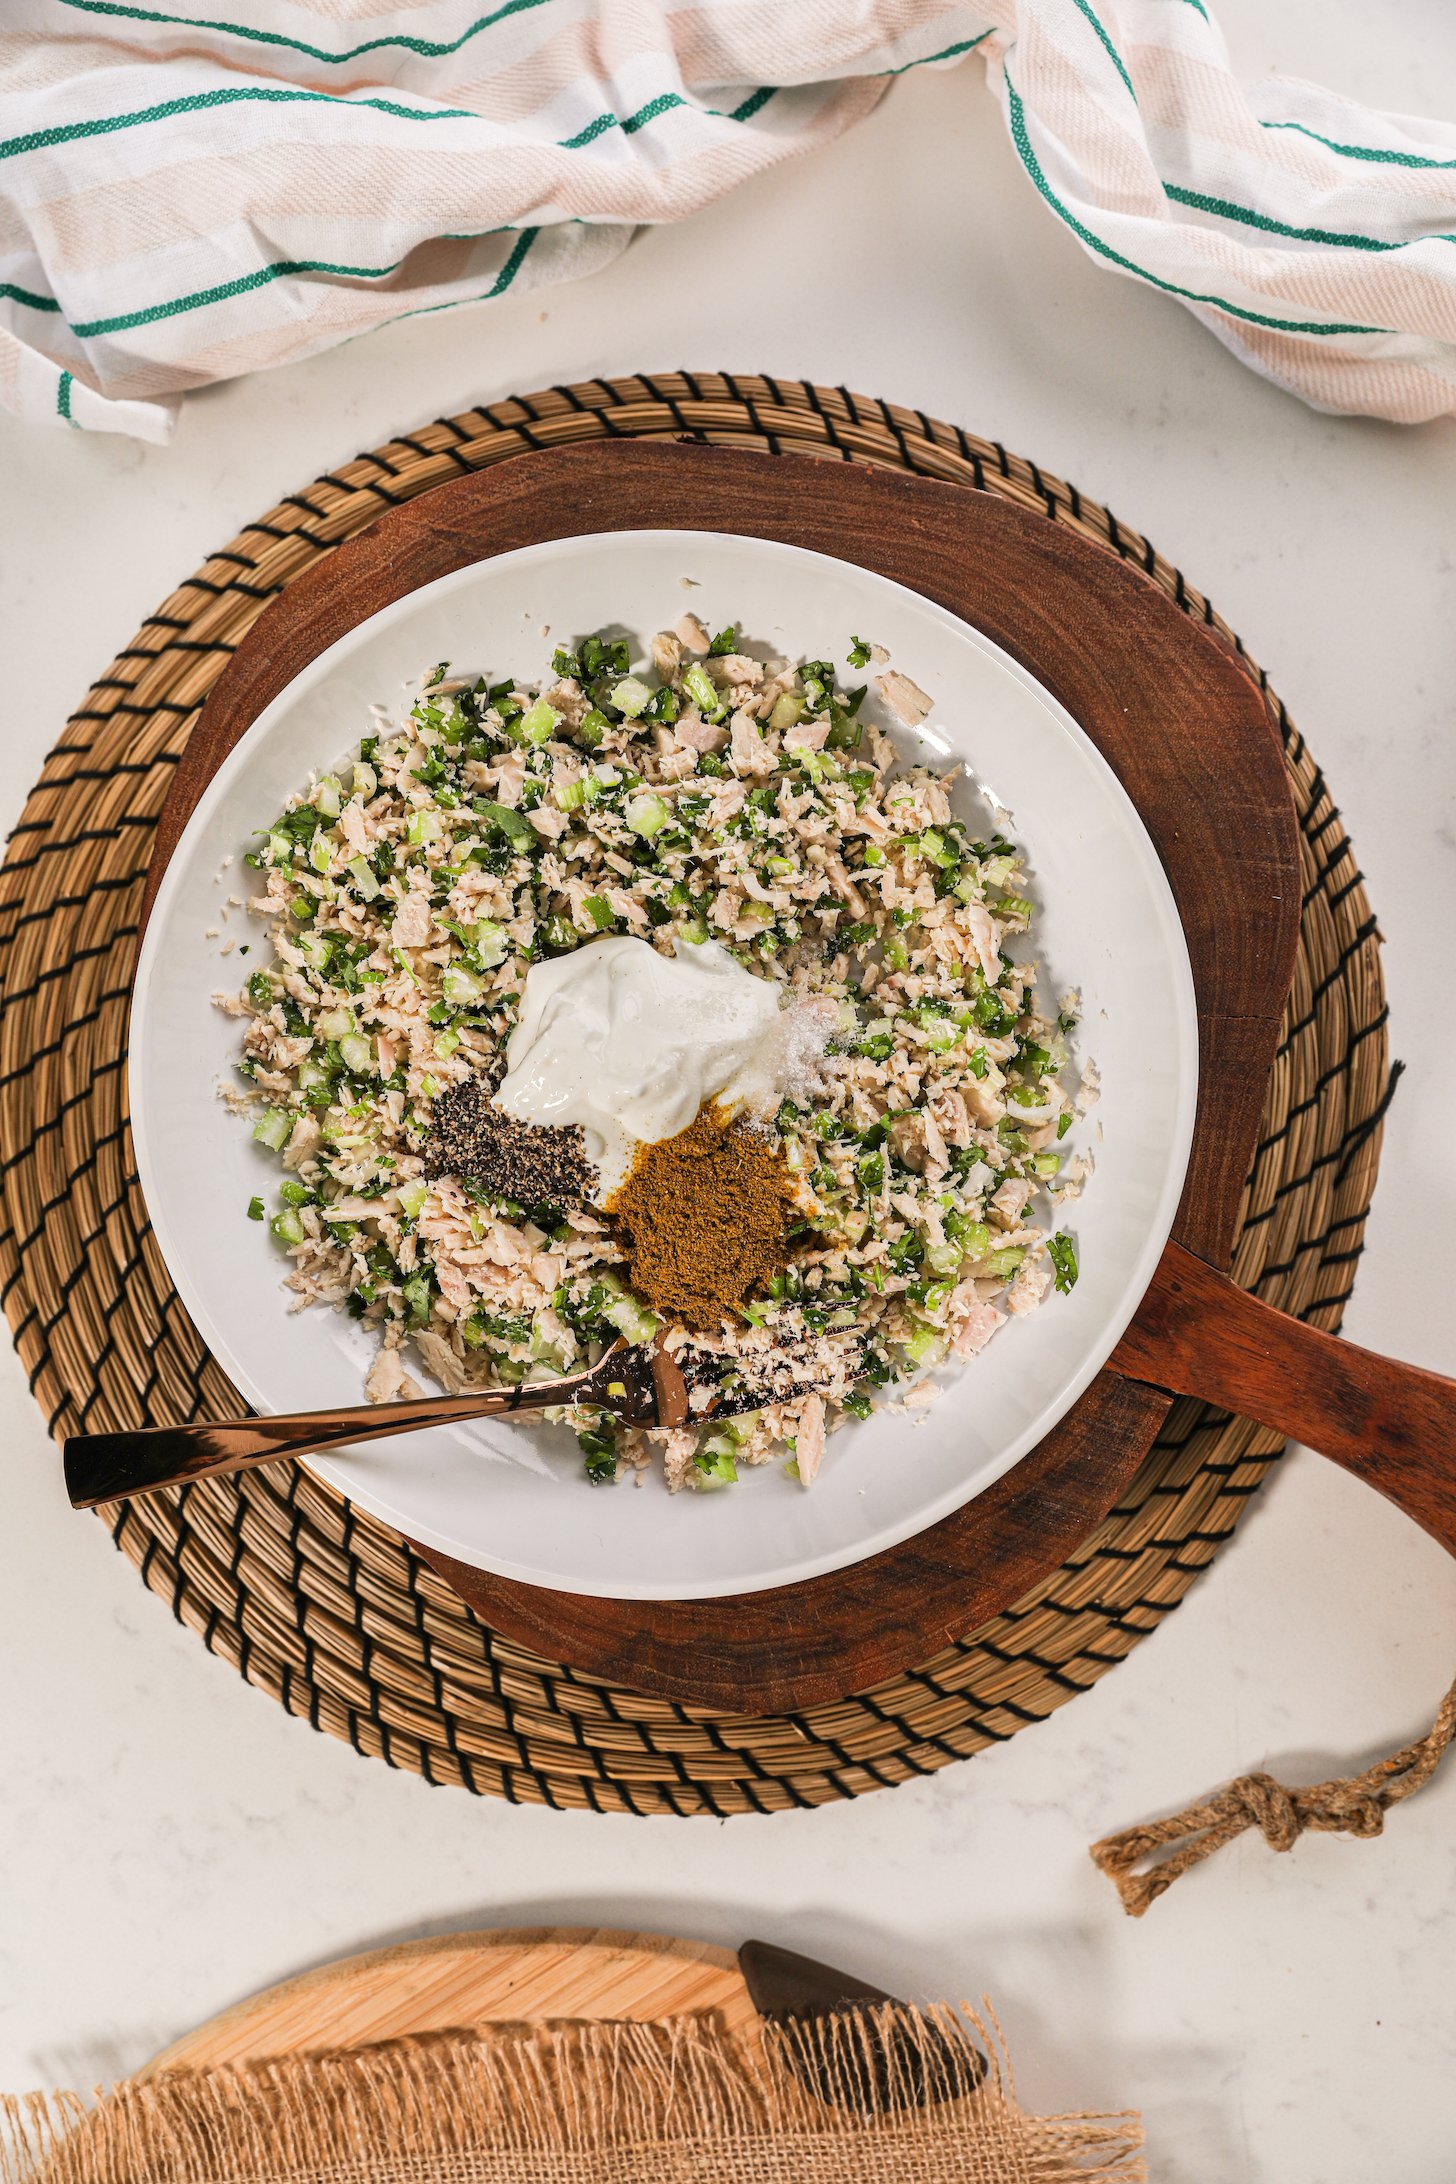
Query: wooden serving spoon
[(1195, 1333)]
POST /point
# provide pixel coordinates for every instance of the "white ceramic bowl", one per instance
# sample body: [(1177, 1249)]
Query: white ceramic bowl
[(513, 1498)]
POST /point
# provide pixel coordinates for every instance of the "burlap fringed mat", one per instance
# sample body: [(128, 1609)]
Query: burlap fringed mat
[(900, 2095), (318, 1605)]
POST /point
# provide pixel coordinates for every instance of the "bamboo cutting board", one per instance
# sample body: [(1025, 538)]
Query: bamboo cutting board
[(455, 1981)]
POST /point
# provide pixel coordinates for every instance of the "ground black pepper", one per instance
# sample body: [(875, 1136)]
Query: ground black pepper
[(532, 1164)]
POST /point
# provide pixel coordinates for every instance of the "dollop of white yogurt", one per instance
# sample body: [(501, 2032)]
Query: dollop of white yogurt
[(630, 1044)]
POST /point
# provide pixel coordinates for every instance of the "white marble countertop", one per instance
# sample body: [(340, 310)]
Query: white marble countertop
[(171, 1840)]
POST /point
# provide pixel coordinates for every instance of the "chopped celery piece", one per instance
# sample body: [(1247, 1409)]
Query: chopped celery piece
[(592, 727), (631, 1319), (537, 724), (647, 814), (320, 853), (999, 1264), (927, 1346), (358, 1054), (417, 1298), (895, 955), (288, 1227), (461, 987), (1045, 1163), (280, 849), (599, 910), (335, 1024), (492, 942), (944, 1258), (362, 874), (315, 951), (273, 1129), (366, 780), (447, 1042), (412, 1197), (1064, 1124), (716, 1466), (698, 685), (328, 796), (630, 696), (569, 795), (786, 710), (421, 827)]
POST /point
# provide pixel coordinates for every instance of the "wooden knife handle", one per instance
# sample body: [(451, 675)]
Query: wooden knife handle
[(1393, 1425)]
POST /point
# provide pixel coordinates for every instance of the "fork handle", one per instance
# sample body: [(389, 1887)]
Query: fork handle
[(103, 1467)]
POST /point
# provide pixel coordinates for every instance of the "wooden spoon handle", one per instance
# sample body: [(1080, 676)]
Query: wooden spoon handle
[(1393, 1425)]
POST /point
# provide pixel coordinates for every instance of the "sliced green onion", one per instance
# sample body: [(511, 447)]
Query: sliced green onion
[(516, 829), (255, 1209), (1063, 1254), (599, 910)]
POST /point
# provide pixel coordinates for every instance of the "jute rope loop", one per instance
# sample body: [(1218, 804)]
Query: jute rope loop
[(325, 1610), (1350, 1805)]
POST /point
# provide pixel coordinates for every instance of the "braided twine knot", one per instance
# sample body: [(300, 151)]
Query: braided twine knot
[(1354, 1805)]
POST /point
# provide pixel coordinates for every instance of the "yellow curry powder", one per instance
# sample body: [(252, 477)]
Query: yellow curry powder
[(704, 1218)]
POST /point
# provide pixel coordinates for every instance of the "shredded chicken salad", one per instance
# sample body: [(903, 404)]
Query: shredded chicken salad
[(700, 794)]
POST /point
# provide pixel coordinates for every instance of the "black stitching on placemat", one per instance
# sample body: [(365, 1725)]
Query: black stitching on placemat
[(1371, 1123)]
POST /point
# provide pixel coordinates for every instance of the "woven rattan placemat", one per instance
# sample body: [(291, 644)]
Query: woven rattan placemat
[(315, 1603)]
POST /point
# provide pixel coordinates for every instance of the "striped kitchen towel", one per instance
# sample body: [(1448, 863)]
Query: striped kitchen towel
[(189, 196)]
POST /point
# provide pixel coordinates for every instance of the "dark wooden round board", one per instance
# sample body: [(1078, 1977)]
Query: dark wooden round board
[(1184, 727)]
